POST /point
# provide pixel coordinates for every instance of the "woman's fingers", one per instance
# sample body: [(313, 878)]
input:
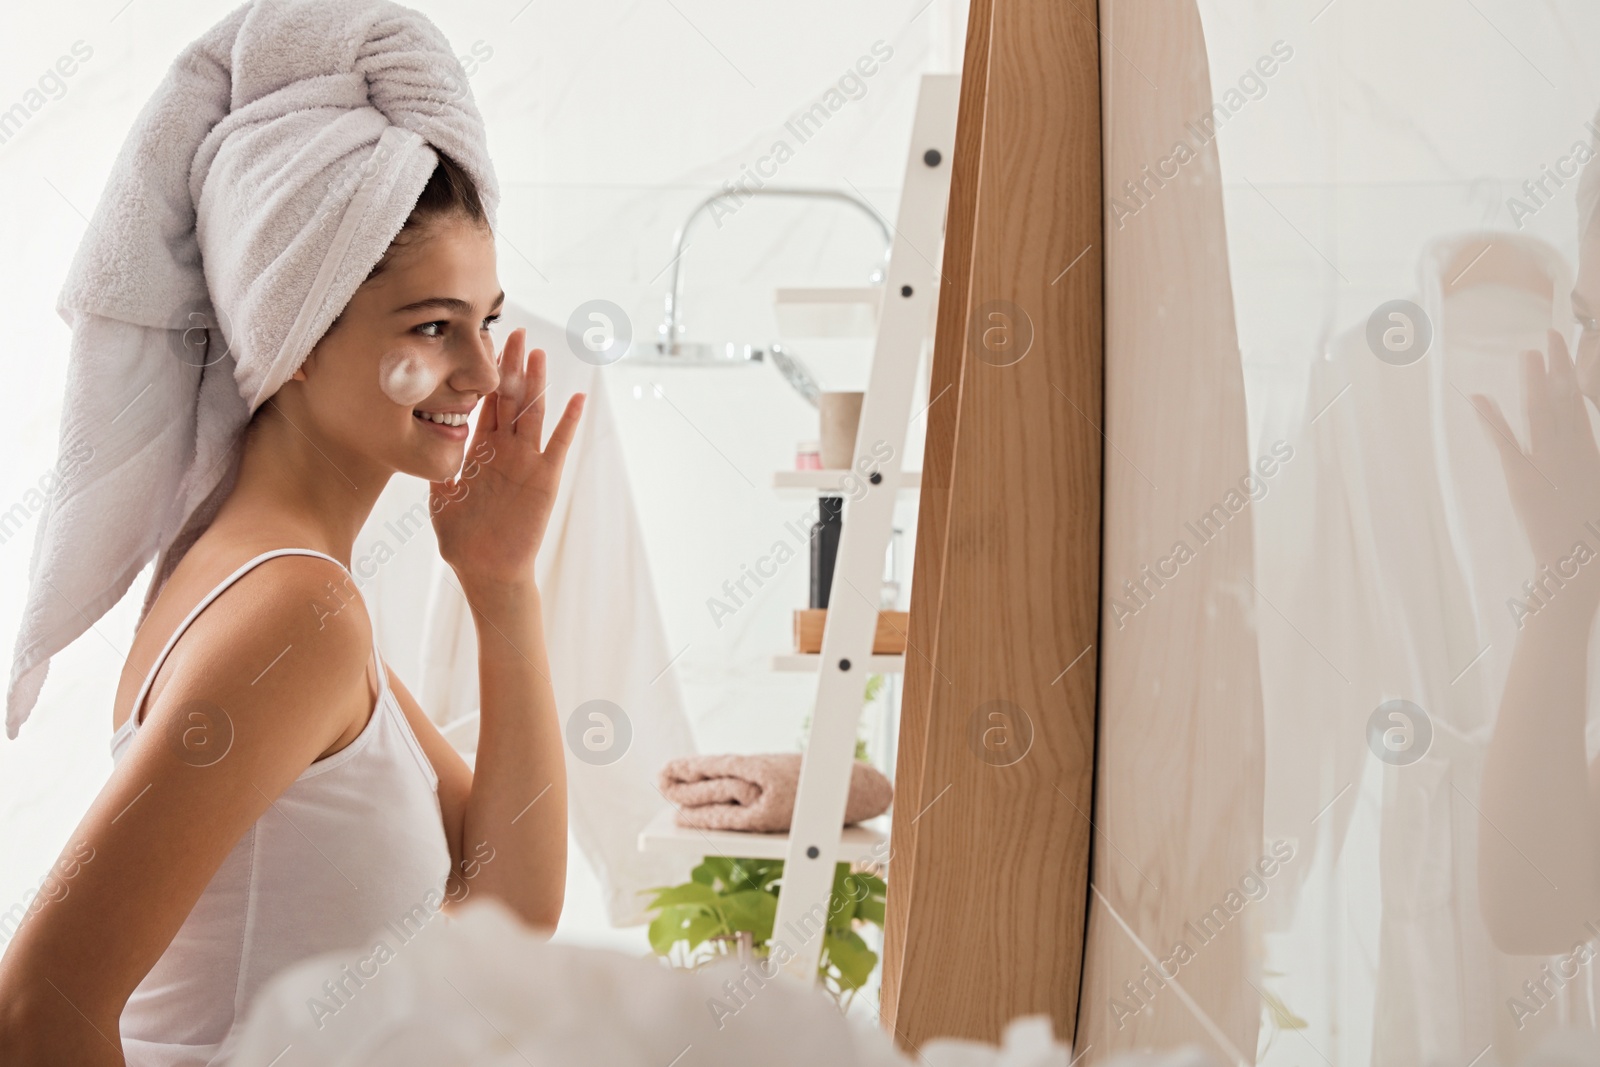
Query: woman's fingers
[(1567, 399), (489, 417), (1561, 369), (1536, 394), (508, 395), (531, 421), (561, 437), (519, 402), (1505, 441)]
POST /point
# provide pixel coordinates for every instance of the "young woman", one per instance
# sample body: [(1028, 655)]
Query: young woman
[(277, 791)]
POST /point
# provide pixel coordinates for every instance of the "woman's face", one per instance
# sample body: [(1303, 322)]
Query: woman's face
[(413, 341)]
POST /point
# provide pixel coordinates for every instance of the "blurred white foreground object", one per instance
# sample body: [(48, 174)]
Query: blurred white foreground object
[(1030, 1042), (479, 988)]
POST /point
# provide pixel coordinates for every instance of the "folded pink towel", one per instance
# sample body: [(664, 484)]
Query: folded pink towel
[(733, 792)]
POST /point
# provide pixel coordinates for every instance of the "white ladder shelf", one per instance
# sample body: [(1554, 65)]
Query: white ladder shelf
[(817, 838), (911, 291)]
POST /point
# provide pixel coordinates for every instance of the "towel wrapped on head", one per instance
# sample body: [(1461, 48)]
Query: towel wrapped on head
[(733, 792), (258, 188)]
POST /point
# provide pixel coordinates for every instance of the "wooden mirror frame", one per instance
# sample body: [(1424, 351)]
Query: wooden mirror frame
[(1046, 735), (990, 841)]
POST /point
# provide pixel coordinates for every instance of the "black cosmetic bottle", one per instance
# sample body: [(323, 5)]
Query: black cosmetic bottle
[(825, 548)]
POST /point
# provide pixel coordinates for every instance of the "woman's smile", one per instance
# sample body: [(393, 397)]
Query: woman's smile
[(450, 424)]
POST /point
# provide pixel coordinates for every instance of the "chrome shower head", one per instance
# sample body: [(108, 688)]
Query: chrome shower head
[(693, 354)]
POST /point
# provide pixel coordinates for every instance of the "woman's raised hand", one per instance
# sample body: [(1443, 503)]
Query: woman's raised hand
[(1555, 480), (490, 519)]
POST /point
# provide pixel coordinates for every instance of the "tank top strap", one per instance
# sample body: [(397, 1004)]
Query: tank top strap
[(132, 722)]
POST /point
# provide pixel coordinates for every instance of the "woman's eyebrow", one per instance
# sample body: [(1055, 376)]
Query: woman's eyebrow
[(449, 303)]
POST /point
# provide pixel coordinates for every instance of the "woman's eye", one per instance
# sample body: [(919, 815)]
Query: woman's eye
[(1587, 323), (427, 328), (490, 321)]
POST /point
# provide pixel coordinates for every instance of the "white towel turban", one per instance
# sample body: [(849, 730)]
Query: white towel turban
[(258, 188)]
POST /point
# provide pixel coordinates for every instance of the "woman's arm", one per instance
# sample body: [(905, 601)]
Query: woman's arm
[(490, 522), (515, 754), (1538, 852), (1539, 840), (519, 786), (284, 681)]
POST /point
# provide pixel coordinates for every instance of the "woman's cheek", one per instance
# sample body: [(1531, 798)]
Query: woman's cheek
[(409, 376)]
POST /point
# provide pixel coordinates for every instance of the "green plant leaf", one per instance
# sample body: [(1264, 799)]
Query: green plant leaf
[(850, 890), (854, 940), (770, 871), (730, 896), (701, 927), (687, 893), (753, 910), (666, 930), (745, 874), (851, 958)]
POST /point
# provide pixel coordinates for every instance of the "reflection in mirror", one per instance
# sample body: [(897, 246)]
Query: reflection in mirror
[(1415, 299)]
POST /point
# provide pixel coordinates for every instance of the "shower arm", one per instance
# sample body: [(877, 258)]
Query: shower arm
[(671, 325)]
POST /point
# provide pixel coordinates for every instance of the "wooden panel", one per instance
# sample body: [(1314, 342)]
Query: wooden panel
[(888, 638), (927, 568), (1179, 776), (988, 881)]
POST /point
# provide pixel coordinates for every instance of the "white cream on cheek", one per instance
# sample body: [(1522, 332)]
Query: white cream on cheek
[(408, 376)]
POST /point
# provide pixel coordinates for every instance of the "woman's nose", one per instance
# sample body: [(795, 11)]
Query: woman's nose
[(480, 371)]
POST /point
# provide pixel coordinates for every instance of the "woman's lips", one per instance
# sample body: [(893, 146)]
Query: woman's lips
[(452, 433)]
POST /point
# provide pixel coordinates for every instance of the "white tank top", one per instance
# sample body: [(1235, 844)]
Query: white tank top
[(353, 850)]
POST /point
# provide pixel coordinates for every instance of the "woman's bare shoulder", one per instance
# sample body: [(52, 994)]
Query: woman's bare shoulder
[(294, 609), (266, 678)]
